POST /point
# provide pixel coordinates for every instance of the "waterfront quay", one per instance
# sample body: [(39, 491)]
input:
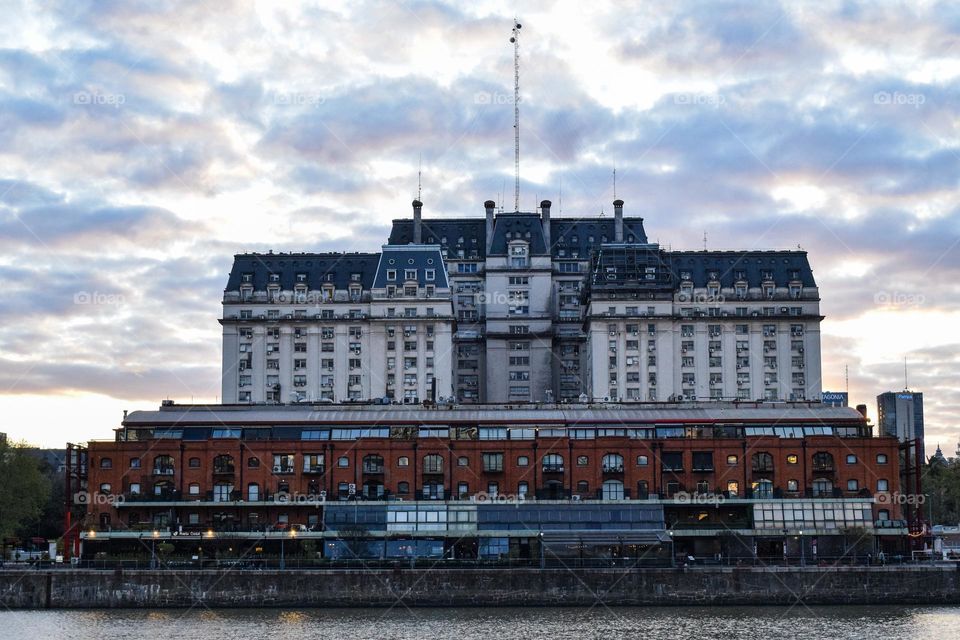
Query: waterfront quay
[(442, 586)]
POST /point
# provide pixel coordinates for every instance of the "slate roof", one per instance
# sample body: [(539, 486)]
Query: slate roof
[(419, 257), (751, 263), (570, 234), (315, 265)]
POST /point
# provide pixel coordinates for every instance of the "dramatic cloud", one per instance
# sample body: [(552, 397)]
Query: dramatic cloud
[(143, 144)]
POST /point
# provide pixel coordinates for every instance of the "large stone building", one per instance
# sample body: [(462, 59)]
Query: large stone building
[(521, 307)]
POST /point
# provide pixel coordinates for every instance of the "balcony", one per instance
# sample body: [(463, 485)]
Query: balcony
[(613, 468), (163, 471), (373, 469), (553, 468), (282, 469), (223, 470), (314, 469)]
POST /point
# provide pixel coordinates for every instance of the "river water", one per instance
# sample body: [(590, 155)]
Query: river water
[(494, 623)]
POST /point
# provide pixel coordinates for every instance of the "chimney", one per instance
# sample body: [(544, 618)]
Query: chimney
[(417, 215), (618, 220), (545, 214), (862, 408), (489, 205)]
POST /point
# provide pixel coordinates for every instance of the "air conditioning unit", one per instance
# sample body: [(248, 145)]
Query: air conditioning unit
[(613, 333), (289, 316), (575, 498), (277, 469)]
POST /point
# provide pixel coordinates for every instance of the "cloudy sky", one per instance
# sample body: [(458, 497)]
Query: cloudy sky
[(142, 144)]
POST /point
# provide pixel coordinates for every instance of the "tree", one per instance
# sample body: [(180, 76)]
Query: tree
[(24, 489)]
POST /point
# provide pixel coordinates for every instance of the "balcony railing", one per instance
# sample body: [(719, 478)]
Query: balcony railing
[(314, 468), (553, 468), (163, 471), (613, 468), (372, 468)]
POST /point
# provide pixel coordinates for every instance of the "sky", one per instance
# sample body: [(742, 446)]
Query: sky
[(143, 144)]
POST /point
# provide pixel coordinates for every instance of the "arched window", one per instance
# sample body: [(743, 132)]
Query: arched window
[(583, 487), (793, 485), (432, 463), (612, 490), (223, 464), (822, 461), (253, 462), (553, 463), (193, 489), (822, 488), (163, 465), (523, 461), (612, 463), (106, 463), (253, 492), (762, 489), (403, 488), (373, 463), (193, 463), (762, 462)]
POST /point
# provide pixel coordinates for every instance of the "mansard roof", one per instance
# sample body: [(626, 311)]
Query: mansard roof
[(575, 236), (468, 234), (784, 265), (320, 268), (420, 257)]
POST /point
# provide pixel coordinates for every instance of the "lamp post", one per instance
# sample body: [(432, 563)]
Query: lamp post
[(542, 556)]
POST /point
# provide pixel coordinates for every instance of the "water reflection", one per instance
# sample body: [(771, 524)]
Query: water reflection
[(494, 623)]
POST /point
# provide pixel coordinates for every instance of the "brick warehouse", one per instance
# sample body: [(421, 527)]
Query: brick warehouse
[(468, 482)]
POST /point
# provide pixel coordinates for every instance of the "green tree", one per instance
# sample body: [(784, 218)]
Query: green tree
[(24, 489), (941, 484)]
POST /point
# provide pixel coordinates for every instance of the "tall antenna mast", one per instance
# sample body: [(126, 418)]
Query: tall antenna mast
[(846, 376), (515, 39), (614, 182), (906, 387), (419, 174)]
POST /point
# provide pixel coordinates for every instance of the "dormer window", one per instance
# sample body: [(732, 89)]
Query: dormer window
[(355, 291), (246, 292), (355, 277), (247, 277), (273, 293), (301, 277), (409, 274), (274, 277), (685, 275), (768, 291), (766, 275), (518, 254), (795, 291), (391, 274), (327, 293), (300, 293), (740, 289), (430, 274)]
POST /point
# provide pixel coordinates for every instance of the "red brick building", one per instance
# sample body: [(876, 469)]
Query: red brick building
[(748, 469)]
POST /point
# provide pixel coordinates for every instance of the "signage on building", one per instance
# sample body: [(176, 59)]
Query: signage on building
[(835, 398)]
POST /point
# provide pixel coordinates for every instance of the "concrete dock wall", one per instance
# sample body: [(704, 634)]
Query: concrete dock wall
[(464, 587)]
